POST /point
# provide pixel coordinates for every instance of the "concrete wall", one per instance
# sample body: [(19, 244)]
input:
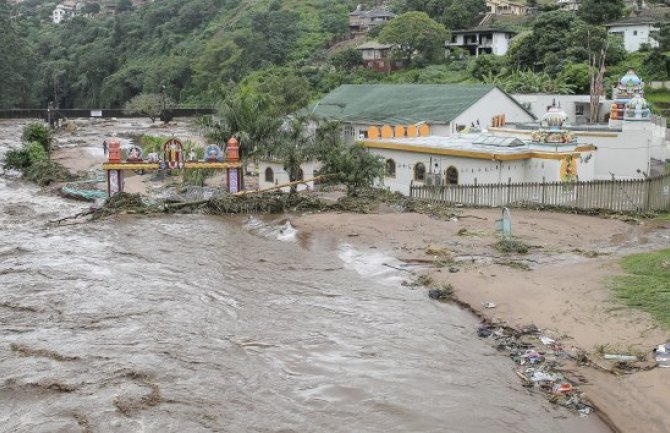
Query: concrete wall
[(539, 102), (481, 171), (500, 44), (635, 35), (618, 153), (494, 103), (281, 176)]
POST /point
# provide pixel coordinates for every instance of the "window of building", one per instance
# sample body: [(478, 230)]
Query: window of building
[(269, 175), (634, 32), (579, 110), (419, 172), (301, 175), (390, 168), (452, 176)]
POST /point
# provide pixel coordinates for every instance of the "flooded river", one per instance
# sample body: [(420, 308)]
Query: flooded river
[(207, 324)]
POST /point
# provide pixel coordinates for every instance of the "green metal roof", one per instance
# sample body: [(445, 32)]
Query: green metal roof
[(399, 103)]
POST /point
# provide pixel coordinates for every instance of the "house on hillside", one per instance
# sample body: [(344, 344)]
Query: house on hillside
[(377, 56), (506, 7), (637, 29), (361, 21), (66, 10), (481, 40), (568, 5), (413, 110)]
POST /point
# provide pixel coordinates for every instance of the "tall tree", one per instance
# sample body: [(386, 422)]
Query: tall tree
[(249, 116), (601, 11), (662, 36), (15, 63), (352, 165), (279, 31), (414, 32), (454, 14), (294, 145)]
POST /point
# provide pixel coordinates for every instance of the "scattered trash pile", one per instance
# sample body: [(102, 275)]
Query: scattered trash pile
[(662, 355), (539, 361)]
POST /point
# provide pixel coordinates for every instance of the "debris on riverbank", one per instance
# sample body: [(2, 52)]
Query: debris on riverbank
[(540, 364)]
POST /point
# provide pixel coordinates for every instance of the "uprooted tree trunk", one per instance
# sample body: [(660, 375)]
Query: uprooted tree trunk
[(597, 77)]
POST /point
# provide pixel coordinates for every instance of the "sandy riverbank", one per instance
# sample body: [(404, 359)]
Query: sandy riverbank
[(564, 291)]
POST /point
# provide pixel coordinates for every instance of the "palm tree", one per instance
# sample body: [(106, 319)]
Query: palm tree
[(250, 117)]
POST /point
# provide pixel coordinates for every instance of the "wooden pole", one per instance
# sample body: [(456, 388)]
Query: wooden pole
[(281, 185)]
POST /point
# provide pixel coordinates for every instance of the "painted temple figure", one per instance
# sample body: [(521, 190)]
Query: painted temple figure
[(173, 151)]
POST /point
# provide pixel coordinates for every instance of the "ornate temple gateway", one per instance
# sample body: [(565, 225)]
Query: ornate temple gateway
[(172, 159)]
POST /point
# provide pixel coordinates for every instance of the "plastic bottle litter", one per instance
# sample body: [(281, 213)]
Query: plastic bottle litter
[(621, 358), (489, 304), (662, 355), (546, 340), (541, 376), (562, 388)]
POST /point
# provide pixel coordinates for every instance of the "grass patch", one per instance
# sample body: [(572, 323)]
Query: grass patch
[(511, 246), (647, 285), (657, 96), (617, 349)]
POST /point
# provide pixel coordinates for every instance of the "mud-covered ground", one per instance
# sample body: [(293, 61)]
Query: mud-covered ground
[(189, 323)]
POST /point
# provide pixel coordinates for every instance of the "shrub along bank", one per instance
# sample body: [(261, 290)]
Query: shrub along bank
[(32, 159)]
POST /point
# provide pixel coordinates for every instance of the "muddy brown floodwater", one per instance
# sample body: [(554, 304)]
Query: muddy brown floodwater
[(205, 324)]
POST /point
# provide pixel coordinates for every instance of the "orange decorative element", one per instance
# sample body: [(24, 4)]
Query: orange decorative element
[(387, 131), (399, 131), (498, 121), (114, 149), (232, 150), (373, 133), (424, 130), (616, 111), (412, 131)]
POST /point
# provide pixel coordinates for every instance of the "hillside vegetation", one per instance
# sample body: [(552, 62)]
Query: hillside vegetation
[(203, 51)]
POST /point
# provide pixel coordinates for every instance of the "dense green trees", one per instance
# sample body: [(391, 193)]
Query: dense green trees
[(601, 11), (347, 59), (16, 63), (557, 39), (197, 50), (415, 32), (454, 14)]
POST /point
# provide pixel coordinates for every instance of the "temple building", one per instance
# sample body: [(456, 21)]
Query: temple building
[(445, 142), (632, 145)]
